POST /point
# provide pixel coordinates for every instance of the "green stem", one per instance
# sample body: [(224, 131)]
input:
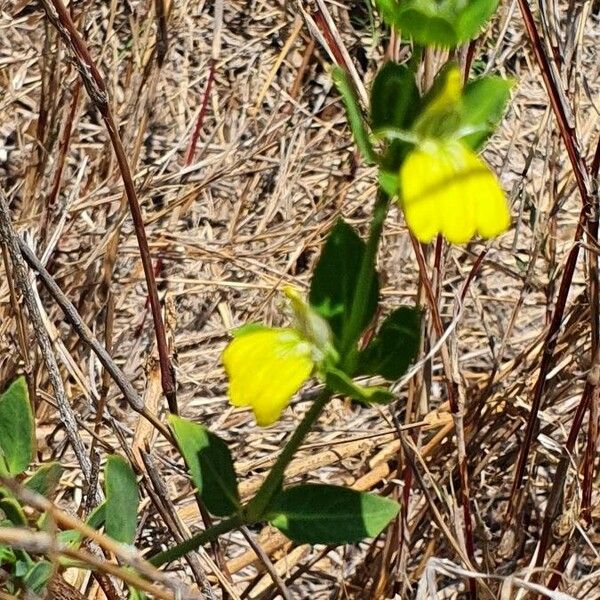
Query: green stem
[(272, 483), (356, 120), (365, 281), (208, 535)]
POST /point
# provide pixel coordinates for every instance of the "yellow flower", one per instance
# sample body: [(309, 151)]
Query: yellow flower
[(446, 188), (266, 367)]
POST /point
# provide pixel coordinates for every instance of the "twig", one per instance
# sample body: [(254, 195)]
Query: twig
[(83, 331), (165, 506), (266, 561), (98, 93), (214, 57), (455, 401), (567, 130), (9, 237)]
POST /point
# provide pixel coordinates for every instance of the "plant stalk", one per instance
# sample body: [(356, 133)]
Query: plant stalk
[(272, 483), (204, 537), (365, 281)]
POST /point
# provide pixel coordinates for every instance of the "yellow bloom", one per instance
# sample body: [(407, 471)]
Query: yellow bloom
[(266, 367), (446, 188)]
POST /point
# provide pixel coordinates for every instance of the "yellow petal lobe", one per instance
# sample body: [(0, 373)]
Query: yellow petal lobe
[(265, 369), (446, 188)]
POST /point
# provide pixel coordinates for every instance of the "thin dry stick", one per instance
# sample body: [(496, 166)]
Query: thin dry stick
[(594, 284), (127, 554), (214, 57), (165, 506), (83, 331), (38, 542), (569, 135), (98, 93), (456, 403), (10, 239), (266, 561)]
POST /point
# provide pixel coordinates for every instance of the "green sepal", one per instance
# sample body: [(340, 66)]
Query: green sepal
[(441, 113), (394, 97), (484, 102)]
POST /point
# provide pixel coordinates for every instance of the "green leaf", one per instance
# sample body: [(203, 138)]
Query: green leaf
[(210, 465), (438, 22), (7, 555), (97, 517), (394, 97), (341, 383), (335, 280), (13, 512), (122, 499), (471, 20), (38, 576), (327, 514), (427, 23), (483, 104), (135, 594), (17, 441), (45, 480), (23, 564), (394, 347), (354, 113), (388, 9)]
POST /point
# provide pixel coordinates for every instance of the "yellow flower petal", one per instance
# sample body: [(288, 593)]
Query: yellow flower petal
[(266, 368), (446, 188)]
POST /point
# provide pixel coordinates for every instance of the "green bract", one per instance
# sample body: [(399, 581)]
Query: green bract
[(438, 22), (447, 111)]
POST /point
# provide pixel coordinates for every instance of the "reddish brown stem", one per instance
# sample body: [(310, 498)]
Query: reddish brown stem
[(453, 399), (191, 151), (589, 400), (63, 147), (162, 39), (568, 135), (96, 89)]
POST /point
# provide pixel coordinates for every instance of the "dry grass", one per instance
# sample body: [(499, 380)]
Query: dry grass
[(274, 166)]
